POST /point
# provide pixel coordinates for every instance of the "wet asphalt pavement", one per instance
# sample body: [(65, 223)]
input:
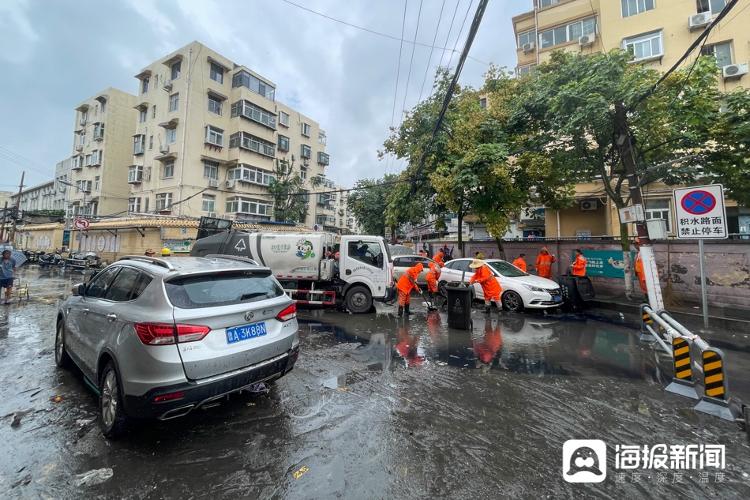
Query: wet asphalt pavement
[(376, 407)]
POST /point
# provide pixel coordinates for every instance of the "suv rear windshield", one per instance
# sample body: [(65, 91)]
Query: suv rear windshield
[(222, 289)]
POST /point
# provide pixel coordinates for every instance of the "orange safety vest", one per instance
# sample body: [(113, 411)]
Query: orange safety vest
[(408, 281), (520, 264), (544, 265), (640, 273), (432, 277), (440, 258), (579, 266), (488, 281)]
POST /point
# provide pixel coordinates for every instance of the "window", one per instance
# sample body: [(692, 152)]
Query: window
[(153, 111), (214, 104), (171, 135), (144, 85), (175, 70), (714, 6), (142, 115), (209, 203), (250, 142), (633, 7), (97, 183), (88, 160), (460, 265), (174, 102), (151, 142), (303, 173), (305, 129), (228, 288), (99, 284), (163, 201), (567, 33), (483, 102), (135, 174), (214, 136), (368, 252), (248, 110), (284, 118), (244, 79), (323, 158), (658, 209), (648, 46), (216, 73), (168, 170), (283, 143), (254, 175), (249, 206), (526, 37), (547, 3), (506, 269), (721, 51), (305, 151), (98, 131), (210, 170), (96, 157), (526, 70), (128, 285), (134, 205), (322, 138)]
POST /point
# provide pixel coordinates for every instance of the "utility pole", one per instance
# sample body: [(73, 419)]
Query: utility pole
[(2, 228), (12, 233), (624, 141)]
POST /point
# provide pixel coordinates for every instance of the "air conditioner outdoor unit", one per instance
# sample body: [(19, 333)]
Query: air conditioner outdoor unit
[(698, 21), (213, 183), (587, 40), (164, 149), (588, 205), (79, 147), (734, 70), (168, 85), (230, 184), (528, 47)]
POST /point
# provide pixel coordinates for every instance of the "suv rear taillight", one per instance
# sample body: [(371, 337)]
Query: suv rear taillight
[(287, 313), (168, 333)]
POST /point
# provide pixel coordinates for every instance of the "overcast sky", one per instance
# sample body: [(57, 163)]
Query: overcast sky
[(57, 53)]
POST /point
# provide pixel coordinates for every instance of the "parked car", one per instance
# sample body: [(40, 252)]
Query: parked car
[(160, 338), (520, 290), (403, 262)]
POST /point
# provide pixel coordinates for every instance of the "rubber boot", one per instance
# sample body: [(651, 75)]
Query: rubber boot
[(400, 311), (406, 309), (488, 309)]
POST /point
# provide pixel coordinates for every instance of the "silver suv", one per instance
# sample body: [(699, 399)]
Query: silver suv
[(159, 338)]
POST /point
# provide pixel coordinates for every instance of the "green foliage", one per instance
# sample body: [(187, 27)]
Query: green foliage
[(369, 203), (288, 204)]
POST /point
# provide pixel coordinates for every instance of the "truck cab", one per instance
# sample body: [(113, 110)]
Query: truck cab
[(365, 268)]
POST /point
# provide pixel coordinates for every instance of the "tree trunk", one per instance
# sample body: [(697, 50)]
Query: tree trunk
[(627, 268), (500, 248), (460, 234)]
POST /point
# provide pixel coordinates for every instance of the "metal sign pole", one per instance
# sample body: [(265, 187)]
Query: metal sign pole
[(704, 298)]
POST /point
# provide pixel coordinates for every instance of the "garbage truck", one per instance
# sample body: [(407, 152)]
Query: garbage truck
[(314, 268)]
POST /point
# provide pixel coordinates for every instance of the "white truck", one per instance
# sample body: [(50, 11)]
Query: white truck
[(362, 273)]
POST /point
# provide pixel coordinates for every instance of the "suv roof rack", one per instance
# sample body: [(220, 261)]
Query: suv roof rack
[(239, 258), (151, 260)]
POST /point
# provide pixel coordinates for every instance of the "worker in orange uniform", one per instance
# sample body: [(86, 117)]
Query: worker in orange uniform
[(578, 267), (432, 280), (406, 283), (544, 263), (439, 258), (487, 280), (639, 272), (520, 262)]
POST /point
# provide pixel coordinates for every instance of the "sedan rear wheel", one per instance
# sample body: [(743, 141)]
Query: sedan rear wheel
[(512, 301)]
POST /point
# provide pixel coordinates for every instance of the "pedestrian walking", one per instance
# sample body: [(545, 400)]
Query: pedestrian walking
[(578, 267), (7, 267), (520, 262), (487, 280), (544, 263), (406, 283)]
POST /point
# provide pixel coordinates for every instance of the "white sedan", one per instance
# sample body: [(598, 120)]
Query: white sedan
[(520, 290)]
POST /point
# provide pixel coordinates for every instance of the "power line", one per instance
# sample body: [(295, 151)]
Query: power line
[(455, 44), (368, 30), (448, 36), (411, 61), (398, 75), (429, 58)]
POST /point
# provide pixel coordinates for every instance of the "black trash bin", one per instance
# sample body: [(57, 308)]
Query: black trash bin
[(576, 290), (459, 306), (585, 288)]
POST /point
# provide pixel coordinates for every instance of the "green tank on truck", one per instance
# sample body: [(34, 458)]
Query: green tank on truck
[(315, 268)]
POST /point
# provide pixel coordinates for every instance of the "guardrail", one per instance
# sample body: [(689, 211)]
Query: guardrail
[(691, 354)]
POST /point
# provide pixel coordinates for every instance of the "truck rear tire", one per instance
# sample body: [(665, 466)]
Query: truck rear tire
[(358, 300)]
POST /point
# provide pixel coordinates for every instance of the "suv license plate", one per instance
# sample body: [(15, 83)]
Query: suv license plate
[(245, 332)]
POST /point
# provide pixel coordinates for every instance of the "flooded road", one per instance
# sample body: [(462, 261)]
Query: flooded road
[(376, 407)]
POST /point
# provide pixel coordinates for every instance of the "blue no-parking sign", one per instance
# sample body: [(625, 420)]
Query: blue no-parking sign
[(700, 212)]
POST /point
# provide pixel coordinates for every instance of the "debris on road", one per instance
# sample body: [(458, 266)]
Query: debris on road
[(259, 388), (23, 481), (300, 472), (56, 398), (94, 477)]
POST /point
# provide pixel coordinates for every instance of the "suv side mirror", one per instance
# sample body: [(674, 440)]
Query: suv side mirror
[(79, 289)]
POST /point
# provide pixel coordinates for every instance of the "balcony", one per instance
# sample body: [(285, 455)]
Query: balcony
[(323, 158)]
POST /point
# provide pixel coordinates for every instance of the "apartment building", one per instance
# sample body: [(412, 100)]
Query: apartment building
[(104, 126), (35, 198), (208, 135), (657, 32)]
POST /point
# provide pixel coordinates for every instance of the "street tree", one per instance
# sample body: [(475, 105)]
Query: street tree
[(287, 189), (369, 202)]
